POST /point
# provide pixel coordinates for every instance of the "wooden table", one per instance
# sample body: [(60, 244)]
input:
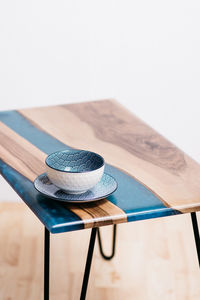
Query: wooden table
[(155, 178)]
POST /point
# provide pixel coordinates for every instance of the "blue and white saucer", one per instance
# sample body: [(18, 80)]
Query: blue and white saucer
[(106, 186)]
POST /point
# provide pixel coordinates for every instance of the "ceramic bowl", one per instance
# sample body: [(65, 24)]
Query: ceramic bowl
[(74, 171)]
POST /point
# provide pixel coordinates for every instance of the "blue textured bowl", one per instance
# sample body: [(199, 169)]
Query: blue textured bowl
[(74, 171)]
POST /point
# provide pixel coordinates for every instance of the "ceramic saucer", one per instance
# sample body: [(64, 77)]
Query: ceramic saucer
[(106, 186)]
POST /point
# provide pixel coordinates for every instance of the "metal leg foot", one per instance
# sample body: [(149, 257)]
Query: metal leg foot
[(46, 263), (113, 244), (88, 263), (196, 233)]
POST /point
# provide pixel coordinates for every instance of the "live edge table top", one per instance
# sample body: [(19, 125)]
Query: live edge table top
[(154, 177)]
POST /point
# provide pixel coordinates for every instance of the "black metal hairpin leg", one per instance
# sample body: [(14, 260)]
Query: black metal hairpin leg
[(46, 263), (113, 244), (88, 264), (196, 233)]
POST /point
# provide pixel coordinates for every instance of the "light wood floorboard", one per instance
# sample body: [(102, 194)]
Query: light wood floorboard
[(155, 259)]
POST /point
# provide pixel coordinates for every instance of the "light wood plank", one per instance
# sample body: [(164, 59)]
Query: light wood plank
[(127, 143)]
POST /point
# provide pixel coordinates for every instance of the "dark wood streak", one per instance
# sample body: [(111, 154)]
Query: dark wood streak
[(95, 211), (129, 133)]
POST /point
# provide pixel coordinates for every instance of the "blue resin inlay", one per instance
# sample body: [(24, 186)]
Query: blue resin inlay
[(135, 199), (75, 161), (42, 140), (52, 214), (131, 196)]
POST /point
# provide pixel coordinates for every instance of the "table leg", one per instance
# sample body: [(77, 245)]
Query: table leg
[(46, 263), (88, 264), (113, 244), (196, 234)]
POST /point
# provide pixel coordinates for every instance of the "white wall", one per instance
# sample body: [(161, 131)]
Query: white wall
[(144, 53)]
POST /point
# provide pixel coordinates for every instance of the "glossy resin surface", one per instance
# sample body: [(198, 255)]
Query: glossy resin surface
[(154, 177)]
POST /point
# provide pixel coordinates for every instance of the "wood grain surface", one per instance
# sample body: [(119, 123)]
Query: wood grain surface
[(27, 159), (127, 143), (19, 153)]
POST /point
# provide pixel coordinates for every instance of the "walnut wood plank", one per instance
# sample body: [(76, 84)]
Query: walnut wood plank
[(20, 154), (127, 143)]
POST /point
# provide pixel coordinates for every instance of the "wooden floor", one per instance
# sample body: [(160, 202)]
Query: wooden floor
[(155, 259)]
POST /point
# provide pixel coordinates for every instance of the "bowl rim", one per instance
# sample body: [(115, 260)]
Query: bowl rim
[(74, 150)]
